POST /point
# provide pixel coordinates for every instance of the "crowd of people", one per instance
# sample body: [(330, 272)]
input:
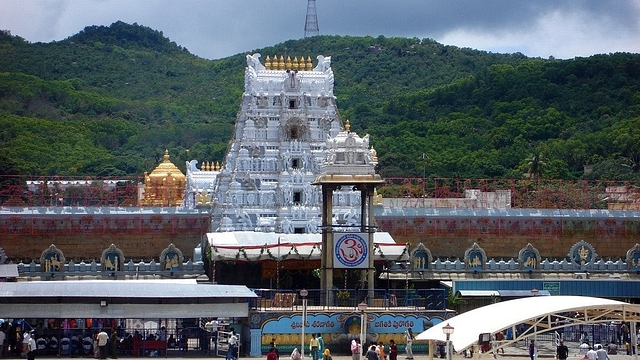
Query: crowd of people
[(373, 351), (19, 339)]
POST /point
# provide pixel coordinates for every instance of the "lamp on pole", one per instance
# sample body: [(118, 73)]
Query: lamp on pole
[(448, 330), (278, 267), (425, 158), (303, 295), (534, 293), (406, 273), (363, 323)]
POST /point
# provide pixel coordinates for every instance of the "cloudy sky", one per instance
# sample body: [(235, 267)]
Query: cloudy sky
[(218, 28)]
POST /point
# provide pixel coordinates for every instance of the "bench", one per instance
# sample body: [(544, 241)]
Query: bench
[(145, 345)]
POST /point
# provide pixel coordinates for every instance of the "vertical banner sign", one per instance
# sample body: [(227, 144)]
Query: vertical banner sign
[(350, 251)]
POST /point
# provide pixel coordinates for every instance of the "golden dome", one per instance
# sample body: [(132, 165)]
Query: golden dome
[(165, 168), (165, 185)]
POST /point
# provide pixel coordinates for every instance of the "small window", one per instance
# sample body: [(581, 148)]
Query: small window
[(297, 197), (298, 230), (295, 163), (292, 104)]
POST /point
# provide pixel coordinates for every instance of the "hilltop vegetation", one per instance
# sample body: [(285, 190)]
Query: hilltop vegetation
[(108, 101)]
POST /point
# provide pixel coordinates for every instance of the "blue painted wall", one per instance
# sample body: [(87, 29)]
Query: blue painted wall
[(610, 288)]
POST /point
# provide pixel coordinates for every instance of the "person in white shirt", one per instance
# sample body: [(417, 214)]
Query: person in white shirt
[(31, 346), (601, 353), (103, 338), (233, 340), (25, 342), (3, 337), (591, 354)]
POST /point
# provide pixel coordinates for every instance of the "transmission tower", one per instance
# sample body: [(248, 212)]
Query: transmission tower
[(311, 24)]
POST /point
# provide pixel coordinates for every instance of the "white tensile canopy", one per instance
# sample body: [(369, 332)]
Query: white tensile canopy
[(256, 246), (544, 313)]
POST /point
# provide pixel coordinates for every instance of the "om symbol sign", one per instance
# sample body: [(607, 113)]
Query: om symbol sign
[(351, 250)]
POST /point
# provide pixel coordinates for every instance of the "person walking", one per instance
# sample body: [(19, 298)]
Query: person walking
[(103, 339), (371, 353), (499, 341), (271, 355), (532, 350), (113, 343), (625, 334), (381, 351), (356, 349), (295, 354), (601, 353), (321, 342), (562, 351), (314, 346), (3, 337), (393, 350), (408, 335), (233, 340), (272, 346), (31, 347), (326, 355)]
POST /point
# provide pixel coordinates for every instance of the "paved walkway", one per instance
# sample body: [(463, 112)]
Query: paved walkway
[(517, 351)]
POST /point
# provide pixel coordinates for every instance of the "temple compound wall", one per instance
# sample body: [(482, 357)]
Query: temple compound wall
[(83, 233), (83, 236)]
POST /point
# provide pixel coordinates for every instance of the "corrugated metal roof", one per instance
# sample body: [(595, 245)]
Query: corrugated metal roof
[(478, 293), (8, 270), (521, 293), (618, 288), (156, 289), (501, 293)]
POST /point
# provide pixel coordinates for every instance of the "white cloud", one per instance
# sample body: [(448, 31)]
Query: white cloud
[(220, 28)]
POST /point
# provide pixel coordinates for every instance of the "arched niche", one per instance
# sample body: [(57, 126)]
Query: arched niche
[(475, 258), (295, 129), (633, 258), (112, 259), (529, 258), (171, 259), (52, 260), (421, 258), (582, 253)]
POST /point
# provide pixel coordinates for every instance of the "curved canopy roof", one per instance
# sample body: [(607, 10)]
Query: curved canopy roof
[(256, 246), (544, 313)]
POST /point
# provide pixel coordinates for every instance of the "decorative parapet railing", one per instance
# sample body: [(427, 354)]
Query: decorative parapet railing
[(512, 265), (580, 261), (376, 299), (130, 269)]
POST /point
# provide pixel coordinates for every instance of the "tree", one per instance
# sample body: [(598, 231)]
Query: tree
[(536, 163)]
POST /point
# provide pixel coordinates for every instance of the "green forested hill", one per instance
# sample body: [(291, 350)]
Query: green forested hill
[(108, 101)]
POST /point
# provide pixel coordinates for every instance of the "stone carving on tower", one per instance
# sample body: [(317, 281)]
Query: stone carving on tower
[(288, 112)]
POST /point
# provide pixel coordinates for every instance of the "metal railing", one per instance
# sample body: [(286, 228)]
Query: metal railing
[(383, 299)]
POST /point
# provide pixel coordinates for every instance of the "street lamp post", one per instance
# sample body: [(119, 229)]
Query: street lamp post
[(303, 295), (448, 330), (278, 267), (363, 323), (534, 293), (406, 273)]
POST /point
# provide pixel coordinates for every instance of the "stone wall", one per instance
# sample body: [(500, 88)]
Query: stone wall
[(507, 247), (136, 247), (143, 237)]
